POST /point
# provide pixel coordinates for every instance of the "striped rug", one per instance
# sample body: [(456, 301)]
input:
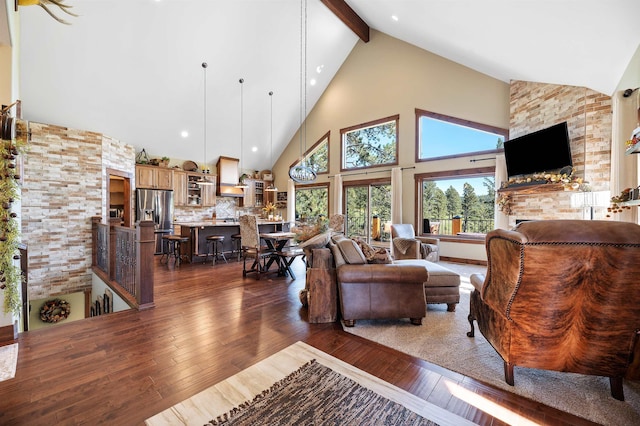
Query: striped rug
[(322, 389)]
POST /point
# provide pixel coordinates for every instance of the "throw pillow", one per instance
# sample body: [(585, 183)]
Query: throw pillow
[(337, 255), (351, 252), (374, 255)]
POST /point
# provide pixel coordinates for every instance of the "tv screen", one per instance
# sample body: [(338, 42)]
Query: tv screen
[(546, 150)]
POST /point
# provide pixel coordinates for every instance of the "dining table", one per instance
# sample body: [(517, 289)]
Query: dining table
[(276, 242)]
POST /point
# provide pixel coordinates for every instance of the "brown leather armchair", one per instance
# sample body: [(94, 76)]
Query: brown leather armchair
[(563, 295), (408, 245)]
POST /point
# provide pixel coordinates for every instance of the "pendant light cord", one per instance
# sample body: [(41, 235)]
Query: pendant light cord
[(241, 81), (271, 129), (303, 42), (204, 165), (304, 85)]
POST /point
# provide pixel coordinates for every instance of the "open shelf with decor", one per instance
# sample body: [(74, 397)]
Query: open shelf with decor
[(533, 189), (630, 203)]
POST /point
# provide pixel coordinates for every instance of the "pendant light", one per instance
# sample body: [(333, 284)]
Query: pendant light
[(202, 180), (271, 187), (241, 183), (301, 173)]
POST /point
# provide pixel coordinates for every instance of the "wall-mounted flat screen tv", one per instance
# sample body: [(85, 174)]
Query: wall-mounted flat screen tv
[(546, 150)]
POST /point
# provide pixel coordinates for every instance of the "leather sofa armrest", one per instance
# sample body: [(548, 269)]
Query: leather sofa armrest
[(380, 273)]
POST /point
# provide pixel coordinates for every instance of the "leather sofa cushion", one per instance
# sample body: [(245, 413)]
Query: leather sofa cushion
[(439, 276)]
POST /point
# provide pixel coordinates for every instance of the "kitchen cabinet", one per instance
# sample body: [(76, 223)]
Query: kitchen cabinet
[(200, 195), (194, 191), (209, 193), (151, 177), (254, 193), (179, 188)]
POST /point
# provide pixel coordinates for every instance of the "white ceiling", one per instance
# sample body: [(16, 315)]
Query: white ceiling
[(132, 68)]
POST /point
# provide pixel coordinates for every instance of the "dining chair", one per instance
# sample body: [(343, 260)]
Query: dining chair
[(251, 247)]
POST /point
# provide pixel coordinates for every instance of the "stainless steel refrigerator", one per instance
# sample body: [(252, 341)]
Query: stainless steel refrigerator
[(156, 205)]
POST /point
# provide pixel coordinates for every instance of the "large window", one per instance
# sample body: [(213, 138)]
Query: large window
[(441, 136), (317, 157), (312, 201), (368, 210), (458, 205), (370, 144)]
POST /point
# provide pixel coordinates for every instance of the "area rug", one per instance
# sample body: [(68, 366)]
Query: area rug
[(302, 385), (442, 340), (331, 396), (8, 361)]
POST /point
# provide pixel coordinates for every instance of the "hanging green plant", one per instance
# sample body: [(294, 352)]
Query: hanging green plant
[(10, 274)]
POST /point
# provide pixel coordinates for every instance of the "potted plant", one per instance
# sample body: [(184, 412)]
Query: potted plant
[(164, 162)]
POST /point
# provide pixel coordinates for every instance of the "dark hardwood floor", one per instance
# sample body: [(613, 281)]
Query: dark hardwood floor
[(208, 324)]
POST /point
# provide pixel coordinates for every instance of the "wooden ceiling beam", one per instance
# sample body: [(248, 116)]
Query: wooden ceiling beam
[(351, 19)]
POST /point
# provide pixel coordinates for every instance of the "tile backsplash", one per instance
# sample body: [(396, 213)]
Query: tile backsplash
[(226, 207)]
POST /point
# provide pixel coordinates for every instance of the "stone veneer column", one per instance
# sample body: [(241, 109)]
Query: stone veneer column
[(63, 187), (535, 106)]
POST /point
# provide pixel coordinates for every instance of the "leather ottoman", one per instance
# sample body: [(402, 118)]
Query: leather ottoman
[(443, 285)]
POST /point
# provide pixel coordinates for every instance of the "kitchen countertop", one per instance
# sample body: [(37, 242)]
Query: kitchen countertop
[(206, 223)]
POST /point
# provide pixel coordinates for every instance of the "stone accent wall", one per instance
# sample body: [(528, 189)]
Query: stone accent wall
[(535, 106), (118, 156), (64, 185)]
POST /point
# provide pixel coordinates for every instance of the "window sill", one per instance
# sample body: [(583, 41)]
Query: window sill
[(464, 239)]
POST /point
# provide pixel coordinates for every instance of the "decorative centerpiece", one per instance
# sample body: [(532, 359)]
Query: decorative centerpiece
[(269, 210), (306, 231)]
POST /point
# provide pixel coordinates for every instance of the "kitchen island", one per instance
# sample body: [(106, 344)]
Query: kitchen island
[(196, 248)]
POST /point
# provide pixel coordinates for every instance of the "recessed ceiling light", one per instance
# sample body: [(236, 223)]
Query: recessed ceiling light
[(394, 17), (319, 68), (254, 149), (312, 82), (184, 134)]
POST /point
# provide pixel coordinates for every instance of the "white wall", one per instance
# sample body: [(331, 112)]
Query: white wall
[(386, 77)]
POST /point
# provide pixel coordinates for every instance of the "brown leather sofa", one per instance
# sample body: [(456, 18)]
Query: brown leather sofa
[(377, 291), (563, 295)]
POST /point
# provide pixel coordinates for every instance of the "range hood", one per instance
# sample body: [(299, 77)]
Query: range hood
[(228, 178)]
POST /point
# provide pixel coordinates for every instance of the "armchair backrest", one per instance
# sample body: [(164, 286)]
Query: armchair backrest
[(249, 233), (402, 230), (569, 291)]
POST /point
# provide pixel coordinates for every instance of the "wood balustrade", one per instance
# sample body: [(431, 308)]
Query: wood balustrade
[(123, 259)]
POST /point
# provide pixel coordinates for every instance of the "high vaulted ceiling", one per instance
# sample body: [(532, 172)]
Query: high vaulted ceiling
[(132, 68)]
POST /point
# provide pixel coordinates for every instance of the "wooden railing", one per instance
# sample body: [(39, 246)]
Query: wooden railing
[(123, 258)]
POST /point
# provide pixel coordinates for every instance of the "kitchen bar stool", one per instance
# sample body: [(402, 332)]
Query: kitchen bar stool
[(173, 243), (237, 245), (216, 241)]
